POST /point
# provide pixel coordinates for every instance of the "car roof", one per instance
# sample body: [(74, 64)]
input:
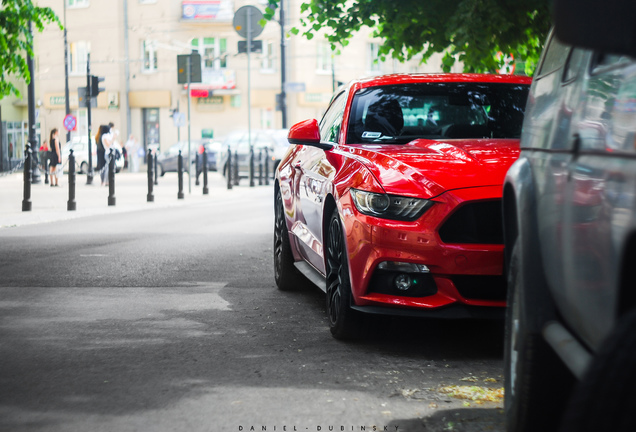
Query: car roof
[(393, 79)]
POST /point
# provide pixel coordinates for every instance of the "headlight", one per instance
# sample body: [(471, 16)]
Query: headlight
[(389, 206)]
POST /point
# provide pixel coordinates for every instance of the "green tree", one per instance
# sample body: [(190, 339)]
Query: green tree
[(16, 40), (471, 31)]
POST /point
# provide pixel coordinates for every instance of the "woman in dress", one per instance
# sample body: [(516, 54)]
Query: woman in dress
[(103, 141), (55, 156)]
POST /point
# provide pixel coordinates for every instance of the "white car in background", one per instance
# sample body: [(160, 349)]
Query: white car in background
[(80, 151)]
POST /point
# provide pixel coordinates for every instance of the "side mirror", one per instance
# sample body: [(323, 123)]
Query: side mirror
[(606, 26), (307, 133)]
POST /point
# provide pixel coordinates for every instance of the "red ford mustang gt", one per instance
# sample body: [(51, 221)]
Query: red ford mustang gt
[(391, 204)]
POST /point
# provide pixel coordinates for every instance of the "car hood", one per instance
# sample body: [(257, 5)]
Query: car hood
[(428, 168)]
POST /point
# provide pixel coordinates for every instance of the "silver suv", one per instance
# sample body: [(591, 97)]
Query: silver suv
[(570, 231)]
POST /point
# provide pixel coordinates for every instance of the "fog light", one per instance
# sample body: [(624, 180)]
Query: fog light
[(403, 282)]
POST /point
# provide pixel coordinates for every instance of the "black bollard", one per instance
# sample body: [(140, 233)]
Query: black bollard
[(205, 172), (251, 165), (111, 179), (71, 205), (35, 173), (235, 172), (26, 201), (260, 167), (266, 166), (45, 166), (196, 169), (180, 172), (156, 170), (228, 168), (150, 197)]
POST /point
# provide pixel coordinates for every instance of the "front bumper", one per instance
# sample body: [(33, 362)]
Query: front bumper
[(460, 273)]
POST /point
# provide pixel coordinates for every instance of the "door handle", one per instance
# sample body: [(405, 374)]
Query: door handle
[(576, 144)]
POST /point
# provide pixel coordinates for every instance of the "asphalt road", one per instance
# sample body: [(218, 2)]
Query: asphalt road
[(169, 320)]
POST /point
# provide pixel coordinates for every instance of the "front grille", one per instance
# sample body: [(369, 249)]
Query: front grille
[(480, 287), (479, 222)]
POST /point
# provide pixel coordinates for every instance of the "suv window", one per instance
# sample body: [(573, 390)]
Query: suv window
[(575, 61), (554, 57)]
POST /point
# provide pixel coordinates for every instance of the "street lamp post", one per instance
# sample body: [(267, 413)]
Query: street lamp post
[(35, 175)]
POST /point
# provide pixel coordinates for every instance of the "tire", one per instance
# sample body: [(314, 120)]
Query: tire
[(83, 168), (604, 400), (537, 384), (161, 171), (286, 274), (344, 323)]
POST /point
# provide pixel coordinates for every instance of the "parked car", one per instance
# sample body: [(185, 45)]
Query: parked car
[(392, 203), (80, 151), (569, 207), (168, 161), (275, 140)]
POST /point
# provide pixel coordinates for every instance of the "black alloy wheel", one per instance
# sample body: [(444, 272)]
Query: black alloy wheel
[(343, 321), (285, 273)]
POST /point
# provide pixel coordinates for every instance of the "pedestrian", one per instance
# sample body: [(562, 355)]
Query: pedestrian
[(44, 155), (132, 146), (103, 140), (55, 157)]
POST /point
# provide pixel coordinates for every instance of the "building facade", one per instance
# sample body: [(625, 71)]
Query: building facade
[(134, 45)]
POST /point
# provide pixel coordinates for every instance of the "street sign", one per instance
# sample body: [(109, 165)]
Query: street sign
[(179, 119), (295, 87), (70, 122), (240, 21), (257, 46), (195, 68)]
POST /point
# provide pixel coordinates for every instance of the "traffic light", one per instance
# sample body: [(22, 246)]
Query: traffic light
[(95, 88)]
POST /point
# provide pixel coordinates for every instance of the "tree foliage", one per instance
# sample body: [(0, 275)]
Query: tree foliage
[(471, 31), (16, 39)]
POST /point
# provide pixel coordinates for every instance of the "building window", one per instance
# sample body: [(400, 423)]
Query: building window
[(78, 56), (149, 63), (77, 3), (323, 58), (374, 58), (213, 52), (267, 59)]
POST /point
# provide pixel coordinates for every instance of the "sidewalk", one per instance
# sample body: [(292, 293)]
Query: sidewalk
[(131, 189)]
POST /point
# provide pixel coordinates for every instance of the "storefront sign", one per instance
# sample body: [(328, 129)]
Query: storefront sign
[(207, 10)]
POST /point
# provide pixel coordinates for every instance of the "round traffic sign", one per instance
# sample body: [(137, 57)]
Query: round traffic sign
[(240, 21), (70, 122)]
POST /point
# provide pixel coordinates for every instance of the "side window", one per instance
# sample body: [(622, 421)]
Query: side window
[(608, 119), (574, 65), (331, 121), (554, 57)]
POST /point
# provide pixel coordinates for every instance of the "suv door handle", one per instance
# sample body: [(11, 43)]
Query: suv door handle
[(576, 144)]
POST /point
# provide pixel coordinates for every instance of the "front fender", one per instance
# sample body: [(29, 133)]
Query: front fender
[(520, 216)]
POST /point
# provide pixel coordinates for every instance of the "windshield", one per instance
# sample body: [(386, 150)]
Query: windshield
[(398, 114)]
